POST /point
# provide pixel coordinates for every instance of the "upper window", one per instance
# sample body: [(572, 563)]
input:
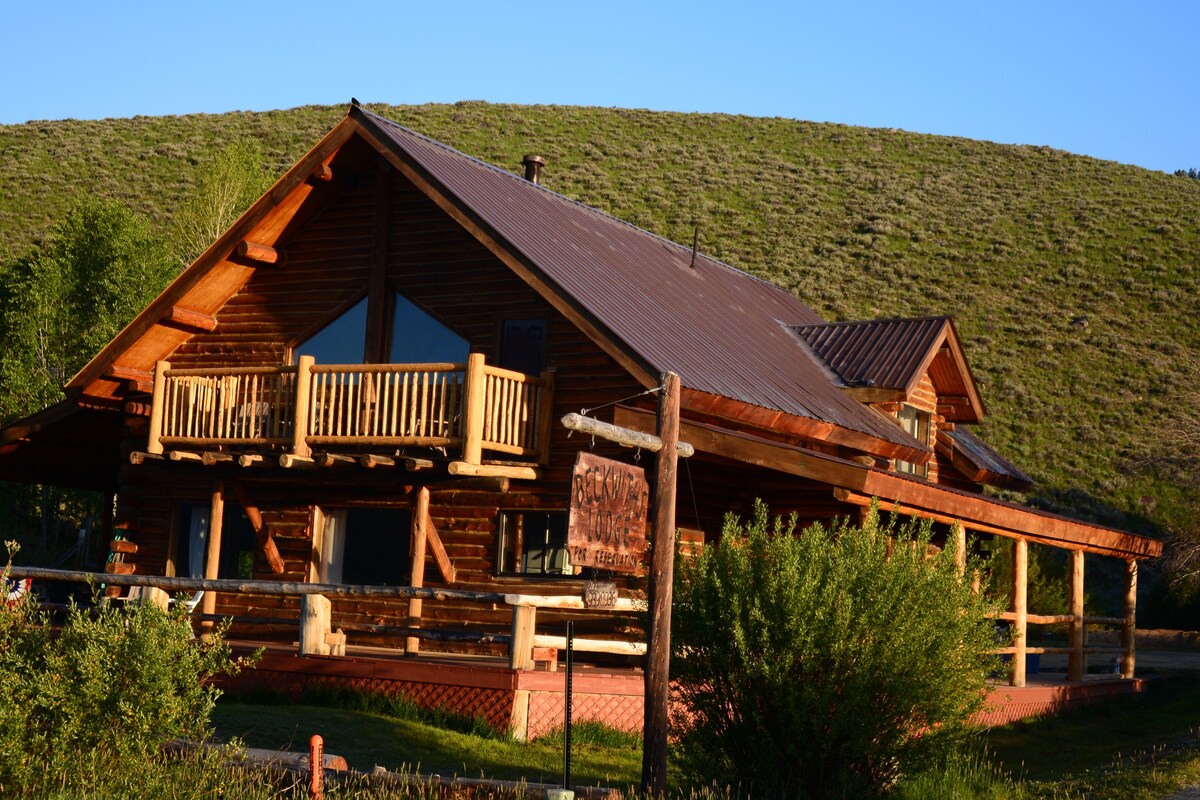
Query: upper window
[(416, 338), (341, 341), (916, 424), (523, 345)]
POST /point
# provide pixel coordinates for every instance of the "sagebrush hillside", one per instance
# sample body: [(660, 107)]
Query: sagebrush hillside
[(1072, 281)]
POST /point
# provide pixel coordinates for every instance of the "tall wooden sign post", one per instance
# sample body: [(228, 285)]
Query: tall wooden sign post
[(662, 573)]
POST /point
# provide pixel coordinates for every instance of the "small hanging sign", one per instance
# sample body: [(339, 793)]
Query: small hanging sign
[(607, 524)]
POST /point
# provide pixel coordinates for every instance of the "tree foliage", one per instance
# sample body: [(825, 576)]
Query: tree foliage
[(95, 271), (824, 664), (112, 683), (226, 187)]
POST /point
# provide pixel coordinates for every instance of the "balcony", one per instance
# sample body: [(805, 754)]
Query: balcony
[(294, 412)]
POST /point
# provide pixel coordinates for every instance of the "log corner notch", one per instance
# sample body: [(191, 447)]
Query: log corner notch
[(266, 542)]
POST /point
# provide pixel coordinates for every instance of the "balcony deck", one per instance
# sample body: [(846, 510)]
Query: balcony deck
[(290, 412)]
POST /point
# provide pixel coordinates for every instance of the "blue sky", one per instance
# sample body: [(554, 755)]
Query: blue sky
[(1117, 81)]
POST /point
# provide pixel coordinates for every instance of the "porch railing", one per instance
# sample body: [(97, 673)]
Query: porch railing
[(472, 406)]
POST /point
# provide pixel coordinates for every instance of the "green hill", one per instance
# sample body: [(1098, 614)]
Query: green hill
[(1072, 280)]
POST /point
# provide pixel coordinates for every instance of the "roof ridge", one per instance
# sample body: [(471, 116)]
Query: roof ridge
[(849, 322)]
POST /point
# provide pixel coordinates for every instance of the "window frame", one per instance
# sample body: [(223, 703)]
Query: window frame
[(509, 565), (917, 423)]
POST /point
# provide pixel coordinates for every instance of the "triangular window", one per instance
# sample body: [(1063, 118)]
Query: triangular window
[(341, 341), (416, 338)]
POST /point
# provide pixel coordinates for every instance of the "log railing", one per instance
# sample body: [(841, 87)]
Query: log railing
[(239, 405), (387, 404), (472, 406), (315, 622)]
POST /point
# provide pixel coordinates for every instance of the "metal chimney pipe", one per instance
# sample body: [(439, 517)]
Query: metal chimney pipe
[(533, 167)]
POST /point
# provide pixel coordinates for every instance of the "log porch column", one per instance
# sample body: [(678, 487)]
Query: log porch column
[(212, 558), (473, 409), (1020, 607), (1077, 660), (420, 534), (157, 401), (1129, 627)]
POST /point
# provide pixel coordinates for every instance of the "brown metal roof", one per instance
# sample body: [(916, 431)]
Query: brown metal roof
[(893, 354), (722, 330), (980, 462), (885, 353)]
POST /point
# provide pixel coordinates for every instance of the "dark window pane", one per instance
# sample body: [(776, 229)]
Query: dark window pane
[(376, 549), (341, 341), (523, 345), (418, 338)]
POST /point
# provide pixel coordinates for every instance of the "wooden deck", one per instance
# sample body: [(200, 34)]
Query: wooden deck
[(531, 702)]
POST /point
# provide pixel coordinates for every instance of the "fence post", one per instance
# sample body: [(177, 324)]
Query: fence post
[(315, 613), (524, 622), (157, 402), (300, 413), (316, 767)]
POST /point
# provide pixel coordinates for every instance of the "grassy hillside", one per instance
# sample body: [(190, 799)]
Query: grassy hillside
[(1072, 280)]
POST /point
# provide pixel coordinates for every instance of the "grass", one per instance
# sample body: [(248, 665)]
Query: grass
[(368, 738), (1138, 748)]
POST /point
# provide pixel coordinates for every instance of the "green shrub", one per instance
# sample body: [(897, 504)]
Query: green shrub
[(823, 665), (114, 683)]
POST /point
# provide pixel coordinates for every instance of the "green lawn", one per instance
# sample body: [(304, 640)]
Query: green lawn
[(368, 739), (1135, 748)]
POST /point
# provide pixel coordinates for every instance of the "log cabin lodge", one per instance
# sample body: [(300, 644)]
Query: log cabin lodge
[(360, 383)]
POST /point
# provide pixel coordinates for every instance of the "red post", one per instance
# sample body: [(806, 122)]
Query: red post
[(316, 764)]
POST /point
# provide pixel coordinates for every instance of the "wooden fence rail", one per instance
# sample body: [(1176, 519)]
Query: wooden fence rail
[(315, 615)]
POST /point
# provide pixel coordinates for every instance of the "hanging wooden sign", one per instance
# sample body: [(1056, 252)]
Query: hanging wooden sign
[(607, 524)]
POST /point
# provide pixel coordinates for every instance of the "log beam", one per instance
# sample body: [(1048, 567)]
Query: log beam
[(257, 252), (493, 471), (266, 542), (139, 380), (322, 174), (185, 319)]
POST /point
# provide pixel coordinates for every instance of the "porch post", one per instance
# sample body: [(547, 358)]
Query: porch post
[(212, 559), (473, 409), (315, 621), (1076, 661), (1020, 609), (420, 532), (300, 415), (157, 401), (960, 555), (524, 623), (1129, 627)]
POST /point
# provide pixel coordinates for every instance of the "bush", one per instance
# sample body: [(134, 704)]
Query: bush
[(113, 683), (824, 665)]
